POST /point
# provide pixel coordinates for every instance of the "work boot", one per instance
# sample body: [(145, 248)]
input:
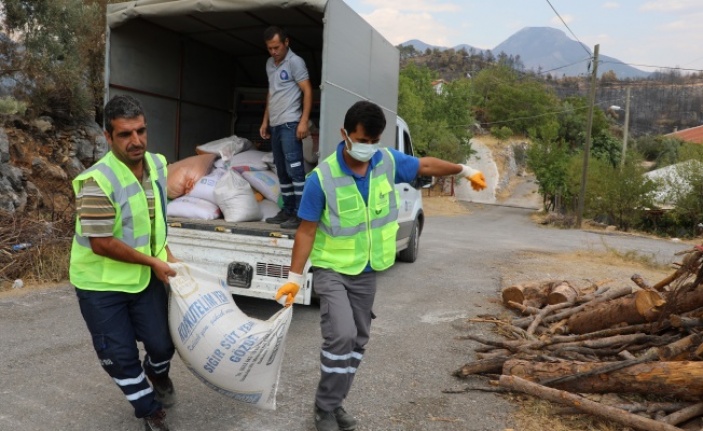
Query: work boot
[(291, 223), (156, 422), (278, 218), (345, 421), (163, 390), (325, 421)]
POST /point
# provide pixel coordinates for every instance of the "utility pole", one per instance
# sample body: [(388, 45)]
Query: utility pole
[(627, 125), (587, 148)]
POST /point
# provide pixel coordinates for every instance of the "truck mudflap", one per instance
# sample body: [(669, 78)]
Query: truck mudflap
[(255, 261)]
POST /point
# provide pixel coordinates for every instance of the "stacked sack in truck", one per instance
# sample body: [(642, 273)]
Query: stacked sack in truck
[(228, 178), (183, 178)]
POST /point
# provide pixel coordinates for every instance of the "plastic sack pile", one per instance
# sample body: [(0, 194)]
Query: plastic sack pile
[(230, 352), (227, 179)]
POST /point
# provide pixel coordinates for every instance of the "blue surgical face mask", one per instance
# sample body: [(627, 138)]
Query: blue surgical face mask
[(359, 151)]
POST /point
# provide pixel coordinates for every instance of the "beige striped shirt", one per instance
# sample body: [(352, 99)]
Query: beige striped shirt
[(96, 212)]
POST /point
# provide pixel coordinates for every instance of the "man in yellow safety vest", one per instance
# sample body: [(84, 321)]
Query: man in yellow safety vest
[(349, 214), (118, 262)]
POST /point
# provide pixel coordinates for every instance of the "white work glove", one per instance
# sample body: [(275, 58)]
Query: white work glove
[(478, 181), (286, 293)]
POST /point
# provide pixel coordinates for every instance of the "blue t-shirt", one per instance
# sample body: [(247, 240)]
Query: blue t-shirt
[(313, 202)]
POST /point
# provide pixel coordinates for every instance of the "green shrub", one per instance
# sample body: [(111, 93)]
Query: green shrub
[(621, 195), (662, 150), (502, 133), (11, 106), (549, 161), (58, 54)]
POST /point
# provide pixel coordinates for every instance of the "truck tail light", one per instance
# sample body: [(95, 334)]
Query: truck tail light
[(239, 275)]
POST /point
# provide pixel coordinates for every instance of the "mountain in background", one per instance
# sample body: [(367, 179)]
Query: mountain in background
[(550, 50), (422, 46)]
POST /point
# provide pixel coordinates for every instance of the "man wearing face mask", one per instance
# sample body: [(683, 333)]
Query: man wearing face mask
[(349, 222)]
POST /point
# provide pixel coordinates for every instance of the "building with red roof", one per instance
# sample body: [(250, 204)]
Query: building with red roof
[(693, 134)]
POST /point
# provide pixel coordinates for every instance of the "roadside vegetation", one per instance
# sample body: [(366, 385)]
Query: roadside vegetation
[(36, 249), (513, 104)]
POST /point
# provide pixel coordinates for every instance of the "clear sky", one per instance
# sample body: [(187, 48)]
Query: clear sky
[(666, 33)]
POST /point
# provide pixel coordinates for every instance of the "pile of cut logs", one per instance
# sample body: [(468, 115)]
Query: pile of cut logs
[(636, 339)]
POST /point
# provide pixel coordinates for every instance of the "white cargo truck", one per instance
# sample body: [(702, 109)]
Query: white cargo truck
[(198, 66)]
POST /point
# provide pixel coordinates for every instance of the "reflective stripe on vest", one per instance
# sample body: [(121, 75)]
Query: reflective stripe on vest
[(94, 272), (348, 238)]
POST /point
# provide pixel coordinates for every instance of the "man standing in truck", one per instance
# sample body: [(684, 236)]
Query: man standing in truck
[(349, 213), (118, 262), (287, 120)]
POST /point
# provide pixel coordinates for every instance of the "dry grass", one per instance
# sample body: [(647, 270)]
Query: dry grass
[(584, 267), (614, 257), (539, 415), (46, 259), (442, 206)]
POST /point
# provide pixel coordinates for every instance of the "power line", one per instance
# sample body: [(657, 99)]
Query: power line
[(567, 27), (514, 120), (655, 67), (562, 67)]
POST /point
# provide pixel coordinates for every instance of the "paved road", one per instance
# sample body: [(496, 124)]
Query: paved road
[(50, 378)]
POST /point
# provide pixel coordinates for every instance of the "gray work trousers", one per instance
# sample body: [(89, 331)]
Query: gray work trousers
[(345, 320)]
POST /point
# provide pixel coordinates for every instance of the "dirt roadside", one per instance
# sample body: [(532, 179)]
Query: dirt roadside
[(586, 266)]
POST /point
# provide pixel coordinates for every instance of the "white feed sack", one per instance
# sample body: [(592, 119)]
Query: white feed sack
[(232, 353), (252, 160), (205, 187), (234, 196), (225, 147), (264, 182), (268, 208), (191, 207)]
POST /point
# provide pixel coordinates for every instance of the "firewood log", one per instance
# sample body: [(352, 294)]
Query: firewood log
[(585, 301), (493, 365), (674, 350), (684, 322), (690, 261), (648, 304), (684, 414), (547, 310), (530, 294), (648, 407), (639, 281), (562, 292), (583, 404), (625, 310), (683, 380)]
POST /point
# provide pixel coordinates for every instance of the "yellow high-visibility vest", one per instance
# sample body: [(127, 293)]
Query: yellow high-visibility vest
[(351, 233), (90, 271)]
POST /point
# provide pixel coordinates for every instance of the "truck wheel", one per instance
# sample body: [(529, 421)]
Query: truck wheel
[(410, 253)]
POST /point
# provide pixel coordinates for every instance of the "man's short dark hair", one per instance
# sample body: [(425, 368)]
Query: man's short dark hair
[(369, 115), (272, 31), (122, 106)]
